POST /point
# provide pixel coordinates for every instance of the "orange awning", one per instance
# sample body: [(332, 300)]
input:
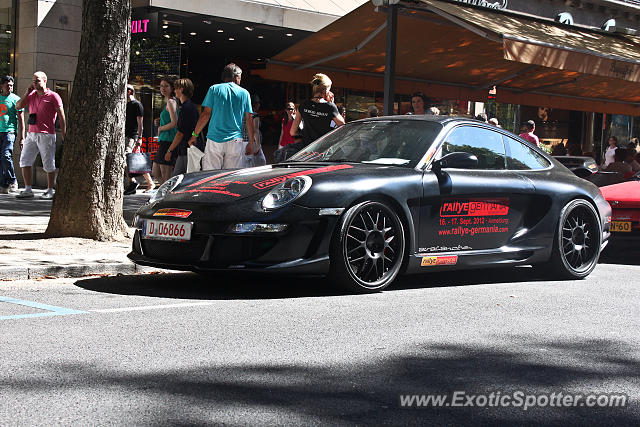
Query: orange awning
[(456, 51)]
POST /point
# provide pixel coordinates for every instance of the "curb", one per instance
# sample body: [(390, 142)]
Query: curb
[(80, 270)]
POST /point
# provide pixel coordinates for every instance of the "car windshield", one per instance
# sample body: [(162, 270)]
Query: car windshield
[(388, 142)]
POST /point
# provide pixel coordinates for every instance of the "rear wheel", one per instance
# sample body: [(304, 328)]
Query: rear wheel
[(576, 245), (368, 248)]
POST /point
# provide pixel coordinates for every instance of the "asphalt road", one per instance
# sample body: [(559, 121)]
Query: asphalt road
[(249, 350)]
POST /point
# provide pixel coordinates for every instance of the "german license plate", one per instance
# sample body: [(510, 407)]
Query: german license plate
[(167, 230), (621, 226)]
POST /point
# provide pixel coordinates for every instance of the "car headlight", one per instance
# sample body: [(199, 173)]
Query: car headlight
[(166, 188), (286, 192)]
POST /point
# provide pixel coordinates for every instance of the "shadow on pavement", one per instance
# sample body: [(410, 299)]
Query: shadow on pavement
[(366, 392), (23, 236), (12, 207), (241, 285), (622, 251)]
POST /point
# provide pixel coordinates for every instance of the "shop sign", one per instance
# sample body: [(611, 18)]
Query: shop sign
[(499, 4), (139, 26), (144, 24)]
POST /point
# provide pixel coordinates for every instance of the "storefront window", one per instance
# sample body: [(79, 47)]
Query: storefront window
[(153, 57), (620, 128)]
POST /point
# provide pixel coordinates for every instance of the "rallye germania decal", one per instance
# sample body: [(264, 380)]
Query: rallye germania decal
[(478, 207), (470, 217), (429, 261)]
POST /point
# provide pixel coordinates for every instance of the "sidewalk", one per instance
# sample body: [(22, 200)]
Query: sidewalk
[(26, 254)]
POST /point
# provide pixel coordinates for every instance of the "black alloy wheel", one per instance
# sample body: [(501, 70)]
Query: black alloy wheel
[(576, 246), (368, 251)]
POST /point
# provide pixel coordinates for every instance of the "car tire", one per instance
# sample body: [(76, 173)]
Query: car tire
[(576, 243), (367, 249)]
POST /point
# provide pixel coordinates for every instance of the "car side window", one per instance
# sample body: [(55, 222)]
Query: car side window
[(485, 144), (521, 157)]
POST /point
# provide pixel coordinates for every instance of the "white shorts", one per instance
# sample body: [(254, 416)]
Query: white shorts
[(35, 142), (223, 155)]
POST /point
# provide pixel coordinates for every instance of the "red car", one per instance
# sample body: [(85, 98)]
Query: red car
[(624, 199)]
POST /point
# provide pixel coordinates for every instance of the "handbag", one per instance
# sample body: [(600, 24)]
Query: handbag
[(139, 162), (194, 156)]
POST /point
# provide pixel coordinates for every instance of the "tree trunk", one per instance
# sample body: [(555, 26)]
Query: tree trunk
[(88, 200)]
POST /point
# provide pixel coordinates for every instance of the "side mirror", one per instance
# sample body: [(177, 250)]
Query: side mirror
[(455, 160)]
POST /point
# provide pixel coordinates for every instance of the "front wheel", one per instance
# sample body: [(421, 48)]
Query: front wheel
[(368, 248), (576, 244)]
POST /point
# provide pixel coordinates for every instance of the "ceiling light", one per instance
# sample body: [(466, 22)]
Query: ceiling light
[(166, 36), (137, 52), (260, 36), (207, 41), (165, 26), (289, 35), (248, 28), (231, 39), (182, 43), (193, 34), (221, 31), (206, 22), (8, 31)]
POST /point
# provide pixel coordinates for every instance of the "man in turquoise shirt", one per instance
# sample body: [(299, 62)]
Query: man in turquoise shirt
[(10, 117), (227, 105)]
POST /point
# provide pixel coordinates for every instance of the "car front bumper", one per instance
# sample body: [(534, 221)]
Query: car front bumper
[(302, 248)]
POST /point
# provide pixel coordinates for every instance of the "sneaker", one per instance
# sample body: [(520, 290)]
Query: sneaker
[(24, 194), (4, 190), (131, 189), (13, 188), (47, 195)]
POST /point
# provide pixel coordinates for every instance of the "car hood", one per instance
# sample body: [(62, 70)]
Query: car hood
[(625, 194), (228, 186)]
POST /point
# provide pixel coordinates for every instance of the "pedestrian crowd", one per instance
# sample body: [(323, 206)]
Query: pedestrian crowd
[(225, 134)]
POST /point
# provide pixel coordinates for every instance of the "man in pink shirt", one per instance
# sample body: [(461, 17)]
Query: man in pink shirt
[(44, 106), (530, 125)]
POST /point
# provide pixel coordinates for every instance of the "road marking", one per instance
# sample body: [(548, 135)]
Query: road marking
[(152, 307), (51, 310)]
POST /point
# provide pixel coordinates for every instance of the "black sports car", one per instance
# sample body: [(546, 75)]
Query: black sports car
[(378, 197)]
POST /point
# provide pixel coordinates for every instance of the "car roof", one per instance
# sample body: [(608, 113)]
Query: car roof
[(426, 117)]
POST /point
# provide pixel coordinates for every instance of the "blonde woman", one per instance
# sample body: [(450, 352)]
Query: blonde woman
[(316, 113)]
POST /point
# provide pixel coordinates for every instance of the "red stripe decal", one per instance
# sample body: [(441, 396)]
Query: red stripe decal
[(277, 180)]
